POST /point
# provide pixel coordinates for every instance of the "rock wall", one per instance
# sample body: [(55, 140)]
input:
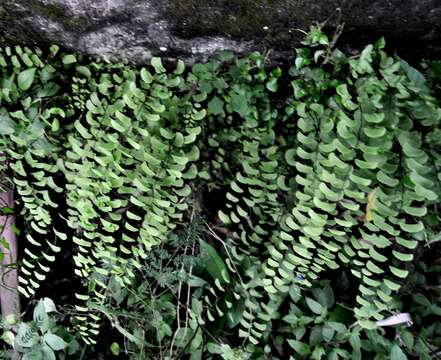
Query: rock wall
[(195, 29)]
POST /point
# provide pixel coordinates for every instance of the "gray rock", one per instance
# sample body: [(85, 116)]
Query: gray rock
[(196, 29)]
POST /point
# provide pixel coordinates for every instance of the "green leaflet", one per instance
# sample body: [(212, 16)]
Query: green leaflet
[(69, 59), (215, 265), (215, 106), (157, 65), (239, 104), (345, 97), (315, 307), (25, 79), (299, 347)]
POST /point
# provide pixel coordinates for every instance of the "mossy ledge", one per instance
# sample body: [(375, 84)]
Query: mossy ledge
[(194, 30)]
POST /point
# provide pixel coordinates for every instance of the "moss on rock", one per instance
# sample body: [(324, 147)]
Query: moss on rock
[(59, 13), (233, 18), (196, 29), (273, 23)]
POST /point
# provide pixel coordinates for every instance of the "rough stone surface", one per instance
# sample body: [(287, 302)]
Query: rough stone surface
[(196, 29)]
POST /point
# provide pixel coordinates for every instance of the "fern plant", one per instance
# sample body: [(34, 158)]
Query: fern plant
[(329, 163), (136, 168), (362, 176), (30, 117)]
